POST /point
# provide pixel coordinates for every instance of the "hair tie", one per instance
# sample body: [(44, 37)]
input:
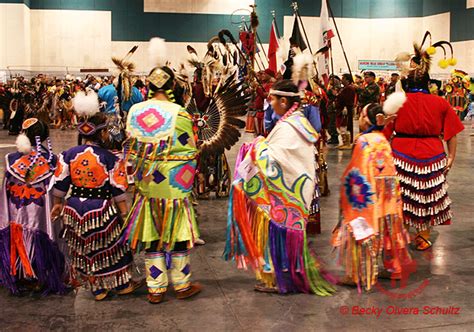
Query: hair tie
[(87, 128)]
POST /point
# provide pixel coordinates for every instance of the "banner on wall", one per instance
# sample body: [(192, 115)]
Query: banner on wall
[(386, 65)]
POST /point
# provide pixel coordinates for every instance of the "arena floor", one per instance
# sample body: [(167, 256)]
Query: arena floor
[(438, 295)]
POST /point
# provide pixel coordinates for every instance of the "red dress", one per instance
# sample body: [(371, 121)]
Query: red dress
[(422, 124)]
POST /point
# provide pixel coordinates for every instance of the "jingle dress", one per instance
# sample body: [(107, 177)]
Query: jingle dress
[(97, 179), (422, 124)]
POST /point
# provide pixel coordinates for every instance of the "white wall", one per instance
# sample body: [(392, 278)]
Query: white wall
[(69, 38), (176, 53), (383, 39), (15, 37), (51, 40)]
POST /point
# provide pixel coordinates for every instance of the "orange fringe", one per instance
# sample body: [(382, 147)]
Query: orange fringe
[(17, 247)]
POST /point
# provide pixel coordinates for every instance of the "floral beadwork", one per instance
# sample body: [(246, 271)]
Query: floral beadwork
[(358, 189), (87, 170)]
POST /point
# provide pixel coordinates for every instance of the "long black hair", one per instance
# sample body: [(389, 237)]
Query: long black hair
[(373, 110), (38, 129), (167, 87), (169, 83), (414, 81)]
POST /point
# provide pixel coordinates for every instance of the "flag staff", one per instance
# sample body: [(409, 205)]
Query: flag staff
[(294, 5), (339, 37), (276, 25), (260, 64)]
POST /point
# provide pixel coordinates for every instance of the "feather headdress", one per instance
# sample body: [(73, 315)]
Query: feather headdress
[(420, 60), (157, 52), (86, 105), (303, 67), (125, 67)]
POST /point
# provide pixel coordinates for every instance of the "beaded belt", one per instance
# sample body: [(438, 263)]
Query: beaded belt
[(82, 192)]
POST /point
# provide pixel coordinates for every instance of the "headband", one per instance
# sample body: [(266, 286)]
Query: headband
[(284, 93)]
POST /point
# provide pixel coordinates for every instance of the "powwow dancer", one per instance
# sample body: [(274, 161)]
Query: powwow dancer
[(93, 213), (29, 252), (268, 205), (163, 151), (423, 123), (371, 228)]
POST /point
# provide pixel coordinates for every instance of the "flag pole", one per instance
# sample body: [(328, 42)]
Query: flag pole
[(294, 5), (259, 64), (332, 59), (276, 25), (297, 13), (339, 37)]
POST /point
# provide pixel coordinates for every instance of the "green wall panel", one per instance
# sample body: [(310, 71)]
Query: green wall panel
[(131, 23)]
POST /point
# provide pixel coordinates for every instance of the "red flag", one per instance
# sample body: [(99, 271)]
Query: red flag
[(248, 42), (272, 49)]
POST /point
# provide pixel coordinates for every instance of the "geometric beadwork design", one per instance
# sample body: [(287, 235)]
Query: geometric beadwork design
[(155, 272), (186, 269), (158, 177), (183, 138), (151, 121), (182, 177)]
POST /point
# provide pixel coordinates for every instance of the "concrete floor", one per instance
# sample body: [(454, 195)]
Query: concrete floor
[(443, 279)]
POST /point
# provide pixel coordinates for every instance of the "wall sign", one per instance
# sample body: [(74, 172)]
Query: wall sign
[(377, 65)]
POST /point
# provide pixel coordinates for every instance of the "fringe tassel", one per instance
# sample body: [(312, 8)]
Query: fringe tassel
[(360, 258), (44, 259), (424, 190), (250, 233), (109, 280), (159, 217)]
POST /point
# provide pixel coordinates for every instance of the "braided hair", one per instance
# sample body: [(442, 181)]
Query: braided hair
[(37, 133)]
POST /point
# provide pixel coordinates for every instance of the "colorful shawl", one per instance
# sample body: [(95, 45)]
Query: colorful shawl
[(268, 208), (371, 220)]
